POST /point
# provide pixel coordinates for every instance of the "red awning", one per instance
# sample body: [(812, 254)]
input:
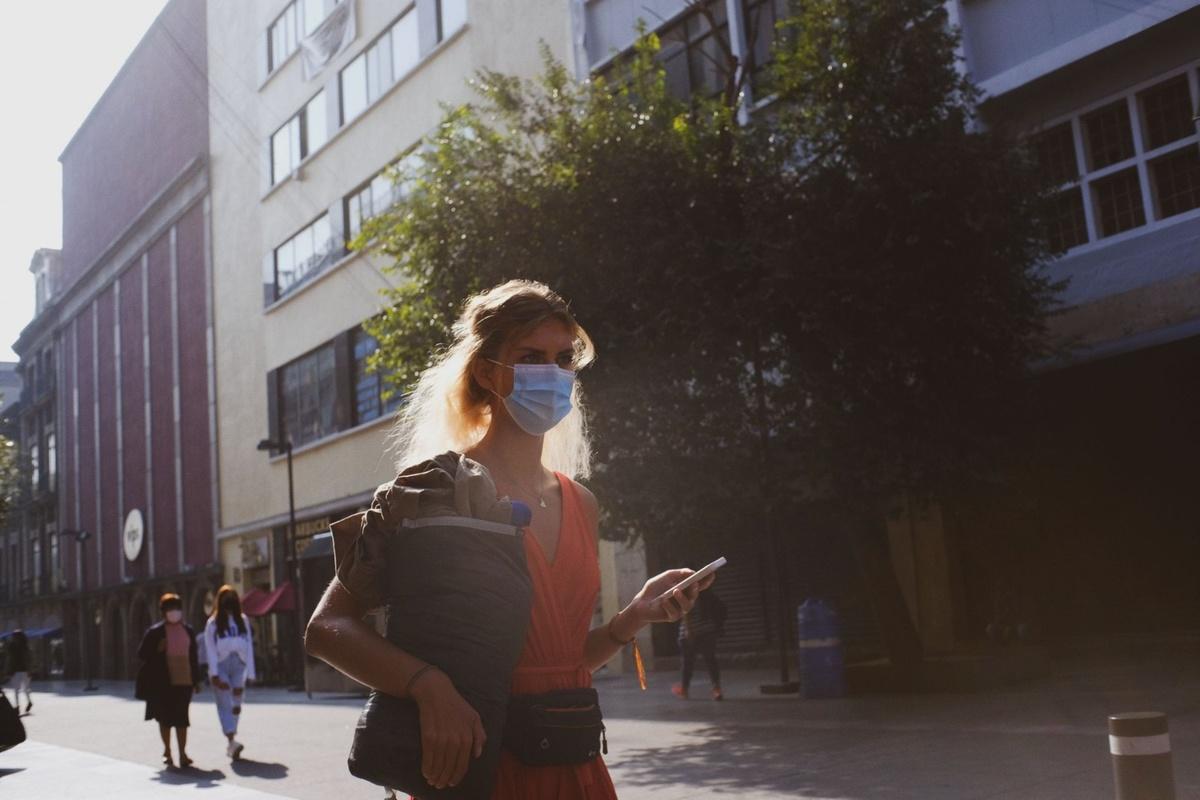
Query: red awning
[(256, 602)]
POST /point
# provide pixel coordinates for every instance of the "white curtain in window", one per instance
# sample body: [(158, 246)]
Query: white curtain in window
[(329, 39)]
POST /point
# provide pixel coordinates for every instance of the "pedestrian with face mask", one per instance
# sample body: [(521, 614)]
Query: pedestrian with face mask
[(229, 643), (505, 395), (169, 675)]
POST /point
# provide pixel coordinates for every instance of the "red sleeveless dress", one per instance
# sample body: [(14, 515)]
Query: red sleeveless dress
[(564, 597)]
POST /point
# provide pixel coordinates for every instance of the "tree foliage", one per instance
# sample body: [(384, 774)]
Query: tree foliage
[(838, 299), (10, 478)]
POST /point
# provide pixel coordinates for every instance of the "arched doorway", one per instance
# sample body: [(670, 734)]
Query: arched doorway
[(200, 605), (113, 640), (91, 616)]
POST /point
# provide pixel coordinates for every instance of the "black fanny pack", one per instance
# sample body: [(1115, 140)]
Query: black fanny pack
[(555, 728)]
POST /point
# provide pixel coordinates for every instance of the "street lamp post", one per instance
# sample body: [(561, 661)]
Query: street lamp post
[(81, 537), (292, 561)]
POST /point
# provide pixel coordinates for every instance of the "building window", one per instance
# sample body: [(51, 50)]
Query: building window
[(55, 567), (1112, 159), (35, 467), (1118, 202), (762, 18), (1055, 151), (51, 461), (300, 136), (389, 58), (1067, 224), (35, 552), (1176, 179), (281, 37), (452, 15), (369, 201), (369, 386), (1167, 112), (299, 19), (694, 52), (304, 255), (1109, 136), (308, 397), (388, 187)]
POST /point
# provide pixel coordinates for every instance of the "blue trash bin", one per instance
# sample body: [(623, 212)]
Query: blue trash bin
[(822, 665)]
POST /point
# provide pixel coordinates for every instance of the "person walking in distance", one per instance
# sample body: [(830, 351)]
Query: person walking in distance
[(505, 395), (18, 668), (229, 643), (169, 675), (698, 633)]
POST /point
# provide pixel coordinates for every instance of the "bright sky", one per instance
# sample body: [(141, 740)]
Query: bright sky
[(57, 59)]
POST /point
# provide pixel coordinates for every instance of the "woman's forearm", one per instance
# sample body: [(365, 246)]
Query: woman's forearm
[(606, 641), (338, 635)]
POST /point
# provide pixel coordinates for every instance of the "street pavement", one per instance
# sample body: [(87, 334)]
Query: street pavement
[(1039, 741)]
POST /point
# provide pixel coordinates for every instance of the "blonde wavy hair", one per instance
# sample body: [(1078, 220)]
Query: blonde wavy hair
[(450, 410)]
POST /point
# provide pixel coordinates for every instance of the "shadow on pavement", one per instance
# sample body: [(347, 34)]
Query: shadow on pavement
[(269, 770), (200, 778), (732, 757)]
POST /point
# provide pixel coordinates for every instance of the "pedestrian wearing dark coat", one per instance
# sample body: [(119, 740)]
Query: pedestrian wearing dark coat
[(169, 675), (18, 668), (698, 633)]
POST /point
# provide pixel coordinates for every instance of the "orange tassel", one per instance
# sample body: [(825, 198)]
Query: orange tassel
[(641, 665)]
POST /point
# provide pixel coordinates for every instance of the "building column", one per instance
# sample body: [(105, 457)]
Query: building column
[(622, 575)]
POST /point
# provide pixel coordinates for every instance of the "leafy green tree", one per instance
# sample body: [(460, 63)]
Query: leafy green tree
[(10, 478), (833, 303)]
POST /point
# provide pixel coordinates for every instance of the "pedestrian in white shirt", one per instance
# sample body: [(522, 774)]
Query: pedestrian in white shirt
[(230, 649)]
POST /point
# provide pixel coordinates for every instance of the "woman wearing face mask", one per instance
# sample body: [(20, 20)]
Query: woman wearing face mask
[(169, 675), (230, 647), (505, 394)]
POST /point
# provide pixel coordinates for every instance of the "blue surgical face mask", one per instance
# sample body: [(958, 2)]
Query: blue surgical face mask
[(541, 396)]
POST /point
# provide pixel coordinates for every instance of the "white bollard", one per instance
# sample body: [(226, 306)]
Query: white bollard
[(1141, 756)]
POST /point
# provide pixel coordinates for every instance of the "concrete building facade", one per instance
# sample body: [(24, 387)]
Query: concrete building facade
[(117, 408), (300, 138)]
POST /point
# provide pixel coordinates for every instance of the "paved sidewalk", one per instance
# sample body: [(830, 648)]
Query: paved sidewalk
[(1042, 741), (58, 772)]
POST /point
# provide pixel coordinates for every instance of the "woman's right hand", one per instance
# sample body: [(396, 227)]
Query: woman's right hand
[(451, 731)]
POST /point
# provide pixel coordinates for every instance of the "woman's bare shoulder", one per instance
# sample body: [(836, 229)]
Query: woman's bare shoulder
[(591, 506)]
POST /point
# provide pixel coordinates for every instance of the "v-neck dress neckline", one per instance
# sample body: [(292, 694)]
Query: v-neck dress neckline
[(562, 524)]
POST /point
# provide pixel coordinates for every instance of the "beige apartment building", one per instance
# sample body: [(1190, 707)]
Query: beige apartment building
[(310, 100)]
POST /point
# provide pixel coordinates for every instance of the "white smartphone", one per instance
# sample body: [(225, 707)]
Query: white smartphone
[(696, 576)]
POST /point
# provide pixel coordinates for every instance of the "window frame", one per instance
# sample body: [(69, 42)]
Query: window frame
[(330, 256), (442, 33), (1141, 160), (302, 140), (398, 191), (297, 12), (275, 60), (342, 407), (383, 408), (281, 388), (370, 54)]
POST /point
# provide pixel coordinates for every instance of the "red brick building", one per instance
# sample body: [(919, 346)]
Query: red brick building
[(118, 410)]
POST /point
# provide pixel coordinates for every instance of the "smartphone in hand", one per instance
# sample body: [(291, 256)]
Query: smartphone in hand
[(699, 575)]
